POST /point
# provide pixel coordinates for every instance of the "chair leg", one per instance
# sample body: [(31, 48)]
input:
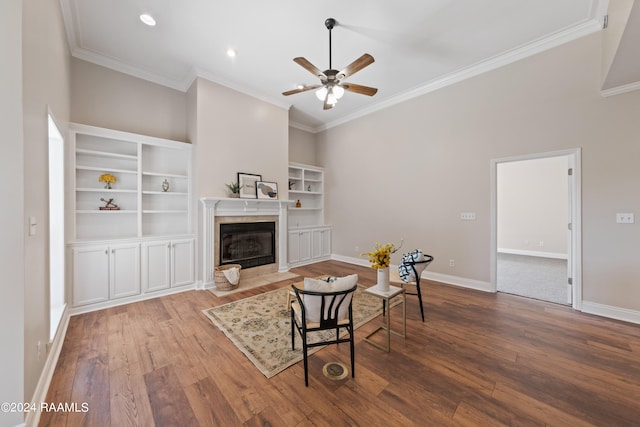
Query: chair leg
[(419, 297), (353, 364), (293, 335), (306, 366)]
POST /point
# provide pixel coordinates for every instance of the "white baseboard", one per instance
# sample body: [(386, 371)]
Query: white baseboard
[(128, 300), (428, 275), (612, 312), (40, 393)]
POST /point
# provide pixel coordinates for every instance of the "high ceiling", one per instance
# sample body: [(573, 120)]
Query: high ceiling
[(417, 45)]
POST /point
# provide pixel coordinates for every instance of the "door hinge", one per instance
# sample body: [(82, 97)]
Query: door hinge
[(570, 281), (570, 171)]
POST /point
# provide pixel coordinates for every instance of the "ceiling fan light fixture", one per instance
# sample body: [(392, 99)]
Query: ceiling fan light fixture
[(321, 93), (338, 91)]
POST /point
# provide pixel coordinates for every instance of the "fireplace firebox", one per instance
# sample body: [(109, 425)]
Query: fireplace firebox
[(249, 244)]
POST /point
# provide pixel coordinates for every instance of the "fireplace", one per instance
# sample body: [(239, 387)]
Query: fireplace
[(250, 244), (217, 211)]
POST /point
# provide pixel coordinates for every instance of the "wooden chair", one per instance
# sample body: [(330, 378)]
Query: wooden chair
[(319, 311)]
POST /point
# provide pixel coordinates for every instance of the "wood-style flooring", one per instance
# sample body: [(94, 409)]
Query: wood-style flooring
[(479, 359)]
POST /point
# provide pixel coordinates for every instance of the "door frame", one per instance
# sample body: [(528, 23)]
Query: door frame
[(575, 186)]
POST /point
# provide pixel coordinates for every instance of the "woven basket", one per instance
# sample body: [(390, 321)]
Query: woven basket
[(222, 284)]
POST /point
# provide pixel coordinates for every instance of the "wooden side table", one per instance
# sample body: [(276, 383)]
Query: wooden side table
[(386, 298)]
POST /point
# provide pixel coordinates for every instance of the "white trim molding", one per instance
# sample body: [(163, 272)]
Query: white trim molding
[(611, 312)]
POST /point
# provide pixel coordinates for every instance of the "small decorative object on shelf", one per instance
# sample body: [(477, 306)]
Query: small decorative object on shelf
[(380, 258), (108, 179), (308, 188), (165, 185), (291, 184), (108, 205), (234, 189), (298, 204)]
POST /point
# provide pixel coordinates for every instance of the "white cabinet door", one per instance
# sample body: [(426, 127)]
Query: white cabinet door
[(294, 247), (124, 270), (299, 246), (90, 274), (156, 265), (321, 243), (182, 262)]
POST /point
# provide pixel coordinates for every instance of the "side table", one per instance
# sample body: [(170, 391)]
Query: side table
[(386, 298)]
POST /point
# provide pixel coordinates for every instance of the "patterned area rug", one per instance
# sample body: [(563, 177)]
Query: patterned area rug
[(260, 327)]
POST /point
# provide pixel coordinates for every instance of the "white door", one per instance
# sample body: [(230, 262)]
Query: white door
[(90, 274), (124, 270), (156, 265), (182, 262)]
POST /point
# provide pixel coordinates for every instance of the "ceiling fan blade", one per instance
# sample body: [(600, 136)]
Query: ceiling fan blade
[(364, 90), (304, 89), (356, 66), (308, 66)]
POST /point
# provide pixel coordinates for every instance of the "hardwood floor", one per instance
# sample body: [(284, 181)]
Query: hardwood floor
[(480, 359)]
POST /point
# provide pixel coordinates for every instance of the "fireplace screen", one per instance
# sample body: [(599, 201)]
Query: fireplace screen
[(249, 244)]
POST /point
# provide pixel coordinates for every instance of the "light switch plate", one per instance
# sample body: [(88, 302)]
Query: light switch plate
[(468, 216)]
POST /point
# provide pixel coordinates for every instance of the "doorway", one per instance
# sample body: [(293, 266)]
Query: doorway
[(535, 221)]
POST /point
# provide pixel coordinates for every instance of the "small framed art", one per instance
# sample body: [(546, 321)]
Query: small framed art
[(266, 190), (247, 183)]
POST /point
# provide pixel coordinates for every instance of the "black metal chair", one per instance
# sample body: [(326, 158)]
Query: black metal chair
[(416, 267), (334, 311)]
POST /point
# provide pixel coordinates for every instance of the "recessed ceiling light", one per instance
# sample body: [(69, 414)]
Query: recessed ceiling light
[(148, 19), (231, 53)]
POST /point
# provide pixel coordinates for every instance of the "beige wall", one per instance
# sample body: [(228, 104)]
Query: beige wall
[(12, 217), (237, 133), (422, 162), (232, 133), (302, 147), (113, 100), (46, 85), (533, 206)]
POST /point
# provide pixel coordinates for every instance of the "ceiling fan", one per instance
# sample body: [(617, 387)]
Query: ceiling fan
[(332, 85)]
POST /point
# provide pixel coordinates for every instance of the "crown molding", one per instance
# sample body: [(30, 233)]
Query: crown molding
[(618, 90), (556, 39)]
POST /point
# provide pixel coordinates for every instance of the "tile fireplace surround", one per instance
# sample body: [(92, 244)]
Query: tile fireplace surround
[(240, 210)]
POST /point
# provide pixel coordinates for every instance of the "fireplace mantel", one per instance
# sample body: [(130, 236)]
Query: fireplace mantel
[(213, 207)]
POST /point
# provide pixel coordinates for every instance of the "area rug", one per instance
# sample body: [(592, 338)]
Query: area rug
[(260, 326)]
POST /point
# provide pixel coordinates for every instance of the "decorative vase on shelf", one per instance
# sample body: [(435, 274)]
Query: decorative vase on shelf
[(383, 279), (165, 185)]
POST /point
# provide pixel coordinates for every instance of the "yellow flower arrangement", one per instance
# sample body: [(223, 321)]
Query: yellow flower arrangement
[(380, 257), (108, 178)]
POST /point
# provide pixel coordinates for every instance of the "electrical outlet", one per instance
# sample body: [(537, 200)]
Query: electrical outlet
[(468, 216), (452, 263), (39, 348), (541, 243), (625, 218)]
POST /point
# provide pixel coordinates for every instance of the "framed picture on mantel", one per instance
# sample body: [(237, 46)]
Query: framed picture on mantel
[(266, 190), (247, 183)]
